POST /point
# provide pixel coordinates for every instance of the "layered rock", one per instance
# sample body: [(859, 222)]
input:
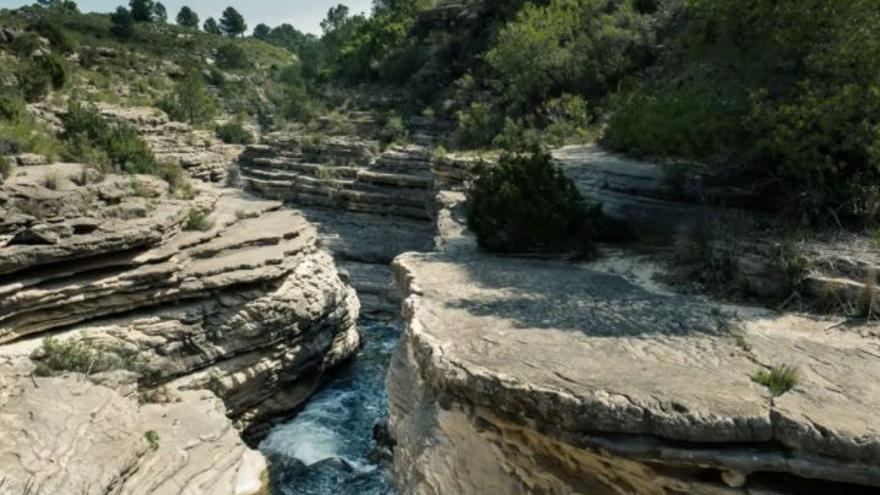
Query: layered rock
[(369, 206), (530, 376), (216, 321)]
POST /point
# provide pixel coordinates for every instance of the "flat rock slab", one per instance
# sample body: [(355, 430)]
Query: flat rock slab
[(586, 352)]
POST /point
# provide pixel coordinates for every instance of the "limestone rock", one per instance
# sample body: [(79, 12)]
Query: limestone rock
[(525, 376)]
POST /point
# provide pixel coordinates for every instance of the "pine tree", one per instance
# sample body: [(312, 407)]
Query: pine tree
[(187, 18), (262, 32), (232, 23), (122, 24), (211, 26), (141, 10), (160, 13)]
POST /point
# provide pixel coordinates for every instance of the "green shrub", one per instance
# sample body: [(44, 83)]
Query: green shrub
[(298, 104), (73, 355), (234, 133), (524, 204), (52, 32), (12, 106), (129, 152), (394, 130), (56, 67), (190, 101), (86, 133), (152, 439), (122, 24), (34, 81), (25, 45), (6, 168), (477, 126), (232, 56), (779, 379), (198, 221)]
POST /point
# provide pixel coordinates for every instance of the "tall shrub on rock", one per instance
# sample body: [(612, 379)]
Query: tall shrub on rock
[(122, 24), (525, 204), (190, 101), (211, 27)]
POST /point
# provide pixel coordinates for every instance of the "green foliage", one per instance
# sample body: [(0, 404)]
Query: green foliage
[(394, 130), (26, 44), (211, 27), (262, 32), (298, 104), (12, 106), (141, 10), (779, 379), (122, 24), (152, 439), (524, 204), (86, 131), (477, 125), (160, 13), (784, 90), (577, 46), (78, 356), (34, 80), (52, 32), (198, 221), (190, 101), (56, 67), (232, 56), (234, 133), (187, 18), (6, 168), (232, 23)]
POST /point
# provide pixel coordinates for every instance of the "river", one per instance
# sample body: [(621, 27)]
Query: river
[(326, 448)]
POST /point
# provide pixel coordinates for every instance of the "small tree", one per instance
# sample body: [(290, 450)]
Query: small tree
[(262, 32), (232, 23), (187, 18), (122, 24), (211, 26), (191, 101), (524, 204), (141, 10), (160, 13)]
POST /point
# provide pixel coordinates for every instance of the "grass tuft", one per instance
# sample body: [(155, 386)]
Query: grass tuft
[(779, 379), (198, 221)]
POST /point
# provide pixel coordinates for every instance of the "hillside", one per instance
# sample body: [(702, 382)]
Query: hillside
[(446, 247)]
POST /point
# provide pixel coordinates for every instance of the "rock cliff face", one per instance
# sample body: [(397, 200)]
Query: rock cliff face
[(531, 376), (172, 332), (369, 205)]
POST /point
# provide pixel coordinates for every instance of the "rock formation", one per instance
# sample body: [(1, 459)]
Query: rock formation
[(538, 376), (177, 323)]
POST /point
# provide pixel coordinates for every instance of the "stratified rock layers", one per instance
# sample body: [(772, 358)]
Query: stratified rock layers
[(528, 376), (207, 324)]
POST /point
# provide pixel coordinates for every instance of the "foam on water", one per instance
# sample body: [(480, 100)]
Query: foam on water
[(325, 449)]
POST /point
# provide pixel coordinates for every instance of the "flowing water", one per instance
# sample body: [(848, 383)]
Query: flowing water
[(326, 448)]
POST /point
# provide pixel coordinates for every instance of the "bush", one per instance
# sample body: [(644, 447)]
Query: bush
[(6, 168), (78, 356), (394, 130), (477, 126), (12, 106), (231, 56), (56, 67), (525, 204), (234, 133), (34, 81), (779, 379), (122, 24), (85, 129), (50, 30), (198, 221), (190, 101), (25, 45)]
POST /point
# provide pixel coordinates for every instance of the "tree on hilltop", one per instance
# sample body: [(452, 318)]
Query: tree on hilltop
[(211, 26), (141, 10), (262, 32), (232, 23), (187, 18), (160, 13), (122, 24)]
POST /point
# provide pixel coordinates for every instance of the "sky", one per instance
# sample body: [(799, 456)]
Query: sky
[(305, 15)]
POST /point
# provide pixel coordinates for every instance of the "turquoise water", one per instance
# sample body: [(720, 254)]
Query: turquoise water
[(326, 448)]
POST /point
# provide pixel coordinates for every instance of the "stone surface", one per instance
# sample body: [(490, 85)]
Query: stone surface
[(524, 376), (198, 335)]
